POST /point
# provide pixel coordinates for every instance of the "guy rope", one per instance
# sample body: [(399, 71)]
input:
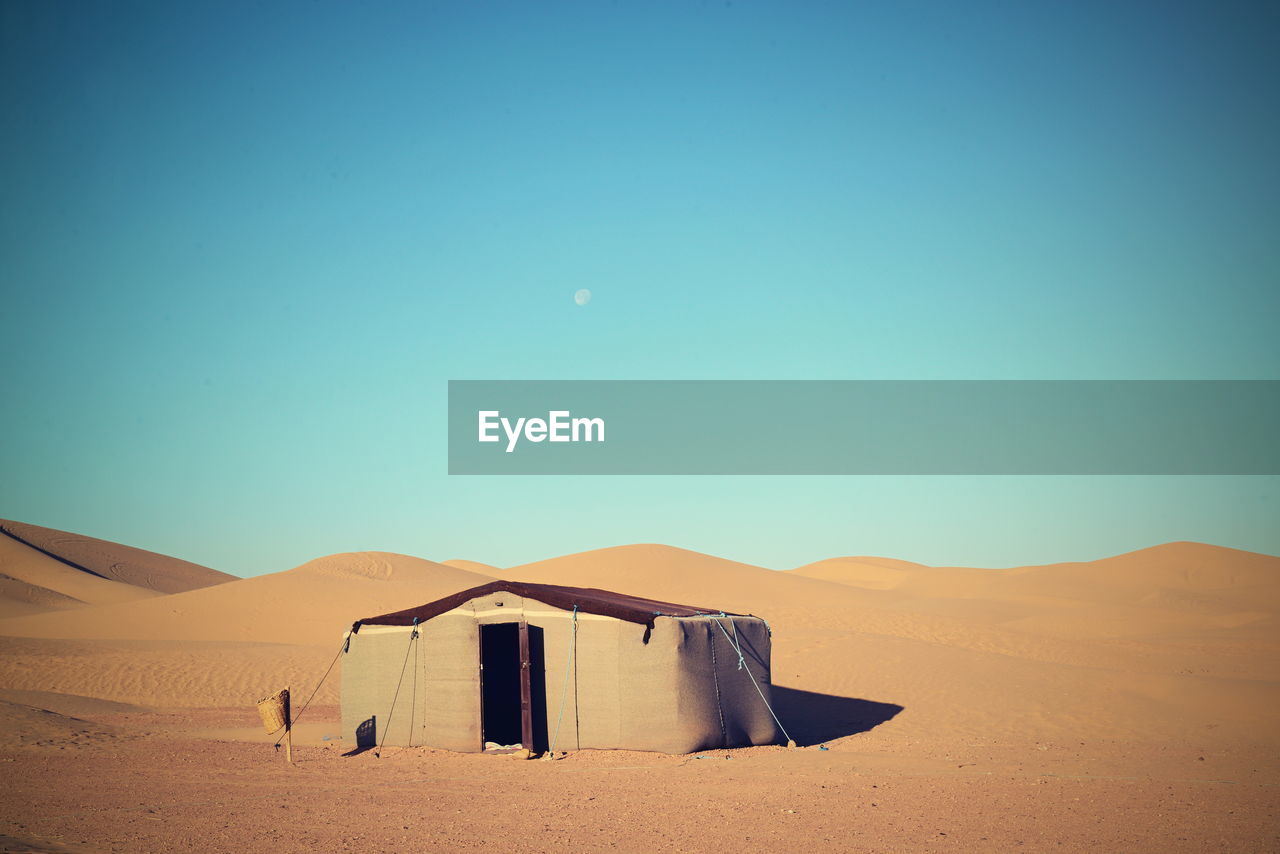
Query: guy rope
[(341, 649), (742, 665), (564, 690), (413, 637)]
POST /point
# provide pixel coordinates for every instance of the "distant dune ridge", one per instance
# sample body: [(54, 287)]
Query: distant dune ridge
[(1173, 586), (1162, 644), (673, 574), (309, 604), (1183, 566), (45, 569), (473, 566)]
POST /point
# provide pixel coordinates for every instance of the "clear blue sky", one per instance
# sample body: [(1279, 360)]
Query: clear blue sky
[(243, 247)]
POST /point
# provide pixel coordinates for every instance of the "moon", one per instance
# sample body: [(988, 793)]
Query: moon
[(582, 297)]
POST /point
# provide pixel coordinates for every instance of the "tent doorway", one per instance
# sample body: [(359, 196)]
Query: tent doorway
[(513, 685)]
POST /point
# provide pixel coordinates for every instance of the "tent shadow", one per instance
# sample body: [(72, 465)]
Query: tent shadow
[(356, 751), (813, 718)]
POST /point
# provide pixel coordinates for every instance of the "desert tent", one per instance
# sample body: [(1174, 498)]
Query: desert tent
[(561, 668)]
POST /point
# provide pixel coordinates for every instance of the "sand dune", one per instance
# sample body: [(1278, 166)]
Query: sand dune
[(27, 726), (1130, 577), (793, 604), (967, 658), (872, 573), (310, 604), (68, 704), (1155, 669), (673, 574), (1147, 646), (1238, 579), (946, 606), (162, 674), (219, 646), (1163, 591), (32, 581), (472, 566), (42, 569)]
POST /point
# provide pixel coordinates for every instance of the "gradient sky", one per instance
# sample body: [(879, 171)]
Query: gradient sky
[(244, 246)]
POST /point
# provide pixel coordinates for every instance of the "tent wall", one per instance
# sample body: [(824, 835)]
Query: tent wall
[(681, 691), (438, 703), (718, 704)]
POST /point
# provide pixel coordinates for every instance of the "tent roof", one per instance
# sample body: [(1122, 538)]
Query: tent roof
[(633, 609)]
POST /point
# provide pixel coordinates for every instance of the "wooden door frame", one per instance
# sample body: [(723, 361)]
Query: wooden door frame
[(526, 690), (526, 684)]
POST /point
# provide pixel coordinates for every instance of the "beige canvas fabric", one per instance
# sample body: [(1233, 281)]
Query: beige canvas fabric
[(605, 687)]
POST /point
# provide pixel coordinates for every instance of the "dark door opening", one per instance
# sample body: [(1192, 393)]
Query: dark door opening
[(512, 713)]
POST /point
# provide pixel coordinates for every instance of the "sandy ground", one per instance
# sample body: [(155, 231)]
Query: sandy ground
[(1126, 704), (186, 786)]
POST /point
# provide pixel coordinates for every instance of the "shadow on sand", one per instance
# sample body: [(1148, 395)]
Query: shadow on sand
[(366, 736), (813, 718)]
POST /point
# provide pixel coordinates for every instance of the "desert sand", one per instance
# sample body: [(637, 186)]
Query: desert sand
[(1128, 703)]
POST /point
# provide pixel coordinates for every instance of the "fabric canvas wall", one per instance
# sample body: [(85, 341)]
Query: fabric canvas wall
[(719, 706), (438, 702), (604, 686)]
